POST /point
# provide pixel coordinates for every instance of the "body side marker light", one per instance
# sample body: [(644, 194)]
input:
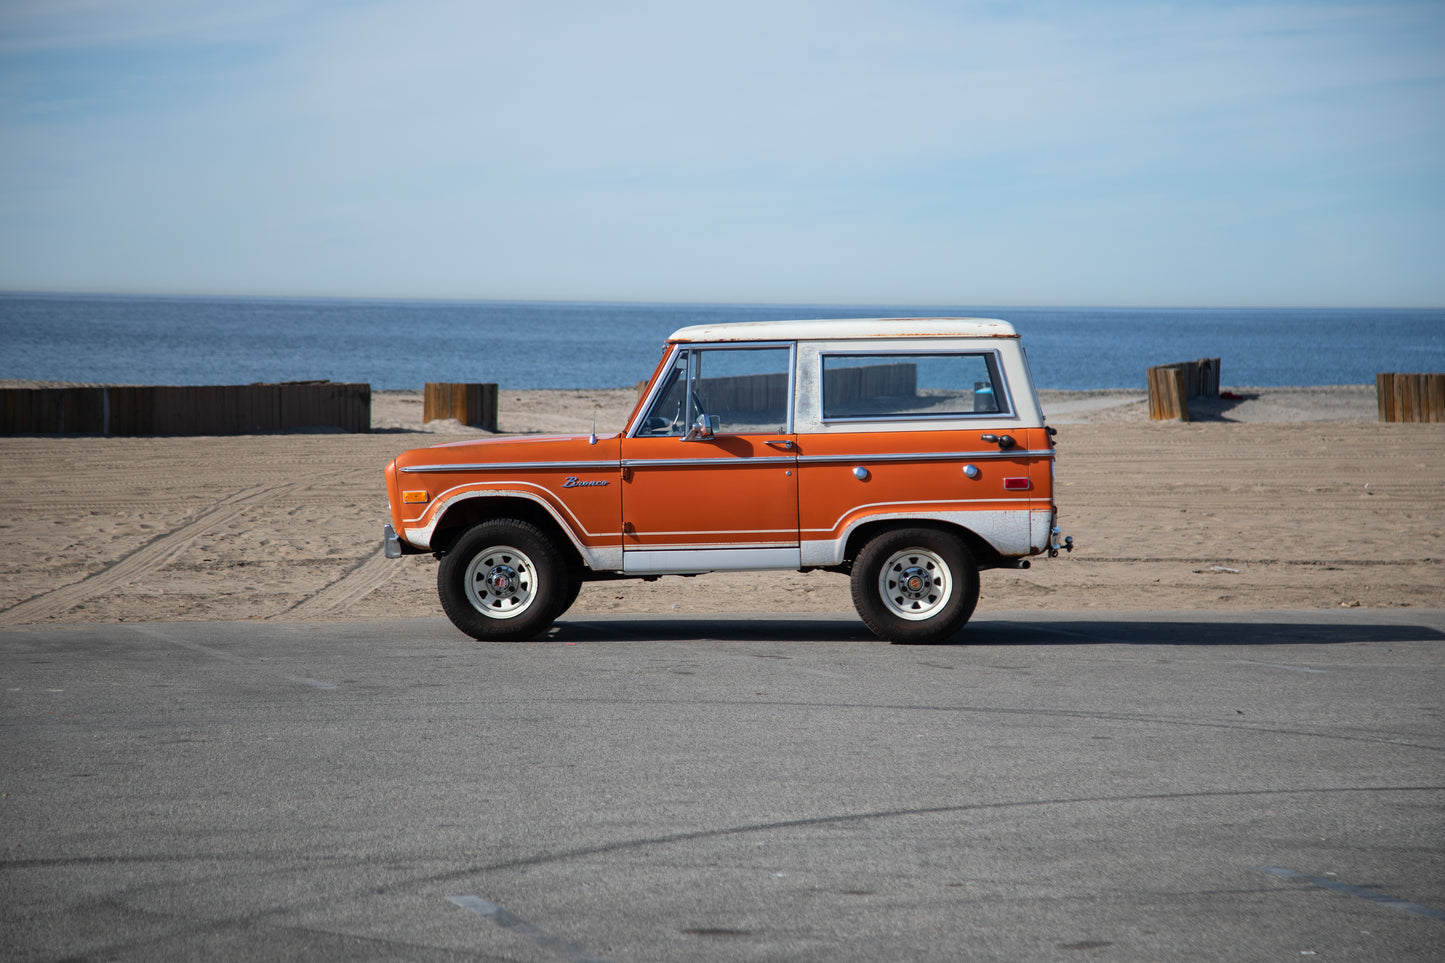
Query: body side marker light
[(415, 498), (1016, 485)]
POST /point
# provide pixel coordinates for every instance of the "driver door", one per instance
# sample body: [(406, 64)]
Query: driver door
[(710, 473)]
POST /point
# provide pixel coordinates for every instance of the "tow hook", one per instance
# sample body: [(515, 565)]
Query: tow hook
[(1067, 544)]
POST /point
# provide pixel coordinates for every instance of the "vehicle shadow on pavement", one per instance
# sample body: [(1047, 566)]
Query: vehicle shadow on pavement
[(1186, 632), (710, 628), (992, 632)]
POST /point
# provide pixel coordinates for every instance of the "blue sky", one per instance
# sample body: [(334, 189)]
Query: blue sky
[(1118, 152)]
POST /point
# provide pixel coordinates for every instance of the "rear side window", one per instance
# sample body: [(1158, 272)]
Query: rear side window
[(871, 386)]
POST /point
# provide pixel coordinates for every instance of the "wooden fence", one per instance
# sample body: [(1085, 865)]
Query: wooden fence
[(1411, 397), (471, 404), (185, 410), (1172, 385), (843, 386), (760, 392), (769, 392)]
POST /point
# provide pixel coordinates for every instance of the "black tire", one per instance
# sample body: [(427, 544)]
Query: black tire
[(503, 581), (574, 588), (916, 586)]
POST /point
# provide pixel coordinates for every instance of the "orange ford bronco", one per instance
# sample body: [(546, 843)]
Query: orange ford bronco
[(906, 453)]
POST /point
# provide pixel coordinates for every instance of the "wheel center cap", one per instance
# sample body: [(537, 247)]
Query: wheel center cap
[(915, 583), (502, 580)]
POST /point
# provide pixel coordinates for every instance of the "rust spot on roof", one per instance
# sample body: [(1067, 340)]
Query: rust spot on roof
[(845, 329)]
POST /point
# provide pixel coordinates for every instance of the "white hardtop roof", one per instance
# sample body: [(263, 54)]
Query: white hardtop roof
[(847, 328)]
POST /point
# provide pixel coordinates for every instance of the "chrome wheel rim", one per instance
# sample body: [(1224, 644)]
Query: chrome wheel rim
[(915, 584), (501, 582)]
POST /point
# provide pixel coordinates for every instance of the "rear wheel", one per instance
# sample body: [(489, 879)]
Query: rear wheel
[(915, 585), (503, 581)]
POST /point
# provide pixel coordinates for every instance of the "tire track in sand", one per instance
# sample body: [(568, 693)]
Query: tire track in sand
[(156, 553), (371, 573)]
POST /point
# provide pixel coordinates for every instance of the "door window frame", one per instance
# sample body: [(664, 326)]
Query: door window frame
[(663, 384)]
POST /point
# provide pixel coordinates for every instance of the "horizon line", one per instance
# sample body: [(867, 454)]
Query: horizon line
[(40, 293)]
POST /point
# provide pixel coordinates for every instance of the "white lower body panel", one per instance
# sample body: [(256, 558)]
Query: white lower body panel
[(1011, 533), (1041, 527), (696, 561)]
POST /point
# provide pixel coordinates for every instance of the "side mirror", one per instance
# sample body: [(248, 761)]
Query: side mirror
[(703, 430)]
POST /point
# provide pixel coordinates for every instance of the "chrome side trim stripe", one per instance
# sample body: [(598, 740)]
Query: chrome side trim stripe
[(519, 466), (731, 461), (928, 456), (741, 461)]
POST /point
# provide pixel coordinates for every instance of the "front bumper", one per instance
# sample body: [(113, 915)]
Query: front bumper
[(391, 542)]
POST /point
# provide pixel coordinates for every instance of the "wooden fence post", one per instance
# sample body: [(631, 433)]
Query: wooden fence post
[(1168, 400), (473, 404), (1206, 378), (1169, 394), (1410, 397)]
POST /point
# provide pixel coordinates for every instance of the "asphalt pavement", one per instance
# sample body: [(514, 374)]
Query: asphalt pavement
[(1142, 786)]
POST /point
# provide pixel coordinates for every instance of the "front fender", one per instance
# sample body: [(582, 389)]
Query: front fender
[(600, 550)]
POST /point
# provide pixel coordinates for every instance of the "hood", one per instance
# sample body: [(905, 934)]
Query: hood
[(516, 450)]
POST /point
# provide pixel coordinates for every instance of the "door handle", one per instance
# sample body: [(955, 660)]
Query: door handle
[(1004, 442), (780, 443)]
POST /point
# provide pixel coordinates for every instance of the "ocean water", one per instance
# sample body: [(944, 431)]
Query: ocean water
[(537, 344)]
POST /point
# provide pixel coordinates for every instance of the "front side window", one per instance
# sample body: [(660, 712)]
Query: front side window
[(668, 414), (745, 388), (867, 386)]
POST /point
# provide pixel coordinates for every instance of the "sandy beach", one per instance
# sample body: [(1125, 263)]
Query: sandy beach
[(1278, 498)]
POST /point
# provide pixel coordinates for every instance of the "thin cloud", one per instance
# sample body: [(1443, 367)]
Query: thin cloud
[(639, 150), (33, 26)]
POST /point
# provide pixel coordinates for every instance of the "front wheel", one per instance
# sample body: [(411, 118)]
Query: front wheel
[(503, 581), (915, 585)]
